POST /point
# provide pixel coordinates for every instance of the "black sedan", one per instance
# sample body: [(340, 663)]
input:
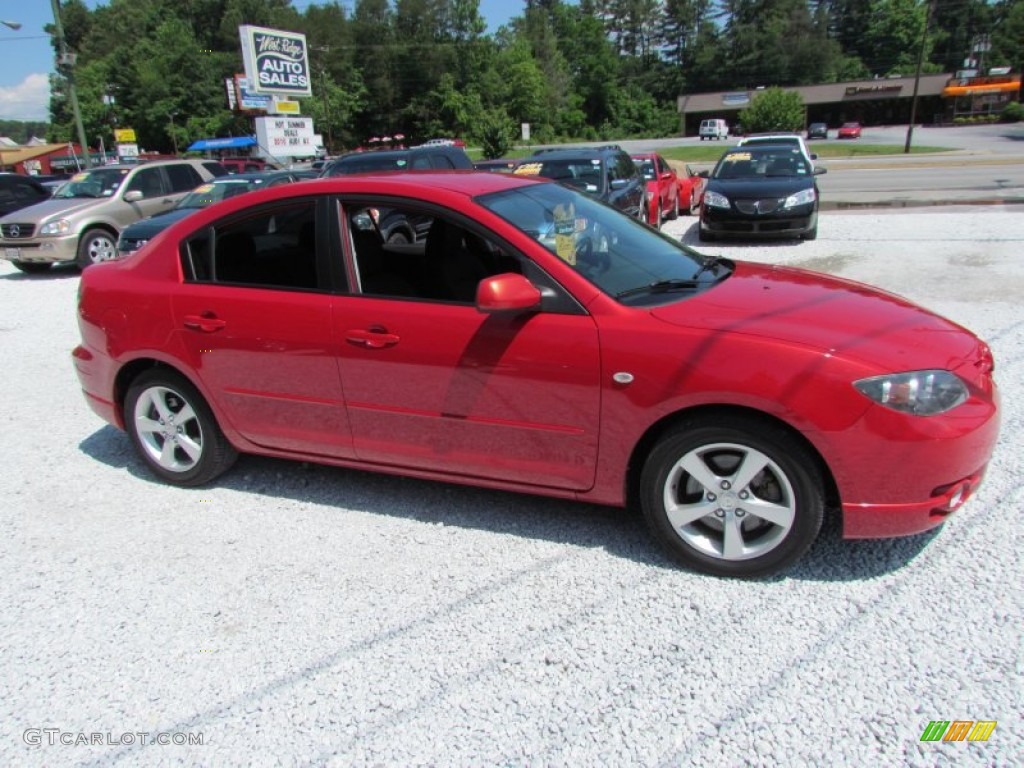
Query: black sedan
[(136, 235), (762, 191)]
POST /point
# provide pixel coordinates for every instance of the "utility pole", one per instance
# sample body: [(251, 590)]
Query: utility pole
[(67, 59), (917, 77)]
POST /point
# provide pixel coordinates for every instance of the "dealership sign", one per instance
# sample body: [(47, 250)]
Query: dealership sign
[(286, 136), (276, 61)]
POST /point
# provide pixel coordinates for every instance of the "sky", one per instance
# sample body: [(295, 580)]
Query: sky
[(27, 55)]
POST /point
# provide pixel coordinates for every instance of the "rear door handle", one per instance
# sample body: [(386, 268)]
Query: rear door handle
[(205, 323), (371, 338)]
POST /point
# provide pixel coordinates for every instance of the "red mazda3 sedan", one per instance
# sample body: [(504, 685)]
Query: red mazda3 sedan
[(537, 340)]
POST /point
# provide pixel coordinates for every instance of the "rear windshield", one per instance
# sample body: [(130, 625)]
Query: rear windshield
[(369, 161)]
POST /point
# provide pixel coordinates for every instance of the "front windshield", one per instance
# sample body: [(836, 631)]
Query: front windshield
[(752, 163), (99, 182), (584, 175), (623, 257), (208, 194)]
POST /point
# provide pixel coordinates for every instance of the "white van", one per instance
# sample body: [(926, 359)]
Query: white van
[(714, 129)]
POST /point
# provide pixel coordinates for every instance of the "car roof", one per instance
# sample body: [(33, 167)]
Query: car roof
[(564, 152)]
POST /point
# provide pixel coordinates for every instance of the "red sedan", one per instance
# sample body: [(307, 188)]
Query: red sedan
[(662, 187), (539, 341), (849, 131)]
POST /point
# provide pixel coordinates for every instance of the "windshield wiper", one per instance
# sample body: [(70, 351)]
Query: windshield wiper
[(709, 264), (660, 286)]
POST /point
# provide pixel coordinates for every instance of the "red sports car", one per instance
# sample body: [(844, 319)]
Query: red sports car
[(662, 187), (539, 341), (691, 190), (849, 131)]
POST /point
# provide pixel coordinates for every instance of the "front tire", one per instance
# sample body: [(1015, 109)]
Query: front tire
[(174, 430), (95, 246), (674, 213), (733, 496)]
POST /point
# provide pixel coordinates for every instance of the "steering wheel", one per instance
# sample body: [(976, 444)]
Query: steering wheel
[(591, 260)]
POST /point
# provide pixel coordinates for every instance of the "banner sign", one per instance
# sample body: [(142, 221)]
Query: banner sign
[(276, 61), (286, 136), (249, 100), (124, 135)]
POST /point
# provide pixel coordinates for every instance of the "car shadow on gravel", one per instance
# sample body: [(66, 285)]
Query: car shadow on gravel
[(691, 238), (53, 273), (620, 532)]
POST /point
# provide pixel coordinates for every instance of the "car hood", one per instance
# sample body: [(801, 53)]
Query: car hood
[(48, 208), (147, 228), (841, 318), (763, 186)]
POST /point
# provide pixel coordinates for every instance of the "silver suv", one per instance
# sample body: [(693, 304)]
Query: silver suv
[(81, 222)]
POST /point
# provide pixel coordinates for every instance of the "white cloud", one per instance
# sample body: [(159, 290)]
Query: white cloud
[(28, 100)]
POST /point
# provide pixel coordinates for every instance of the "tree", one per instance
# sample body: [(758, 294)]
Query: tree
[(774, 109)]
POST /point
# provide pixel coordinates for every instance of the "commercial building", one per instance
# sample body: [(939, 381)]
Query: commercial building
[(942, 98)]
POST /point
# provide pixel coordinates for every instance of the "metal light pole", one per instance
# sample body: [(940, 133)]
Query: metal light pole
[(917, 77), (174, 139), (65, 58), (15, 25)]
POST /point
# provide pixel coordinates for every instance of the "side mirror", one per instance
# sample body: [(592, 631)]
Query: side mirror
[(507, 292), (705, 174), (619, 184), (818, 170), (133, 196), (666, 175), (814, 156)]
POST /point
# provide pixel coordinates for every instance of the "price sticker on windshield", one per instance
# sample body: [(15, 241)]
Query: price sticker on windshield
[(737, 157), (565, 233), (528, 169)]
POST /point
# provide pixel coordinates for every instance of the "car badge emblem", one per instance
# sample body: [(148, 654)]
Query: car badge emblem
[(15, 230)]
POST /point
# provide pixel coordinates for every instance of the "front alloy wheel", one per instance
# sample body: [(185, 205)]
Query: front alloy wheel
[(95, 246), (734, 497), (174, 430)]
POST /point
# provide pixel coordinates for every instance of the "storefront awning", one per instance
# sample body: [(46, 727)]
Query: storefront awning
[(235, 142)]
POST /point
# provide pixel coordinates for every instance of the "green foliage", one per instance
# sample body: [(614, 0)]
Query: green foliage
[(1012, 113), (572, 69), (496, 134), (773, 109)]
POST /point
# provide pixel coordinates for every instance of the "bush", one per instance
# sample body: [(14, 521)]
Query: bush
[(497, 133), (774, 109), (1012, 113)]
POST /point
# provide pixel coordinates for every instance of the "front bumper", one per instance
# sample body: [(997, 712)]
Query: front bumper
[(792, 222), (40, 250)]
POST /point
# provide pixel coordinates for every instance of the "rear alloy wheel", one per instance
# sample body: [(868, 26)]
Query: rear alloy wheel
[(694, 203), (657, 216), (174, 430), (674, 213), (32, 267), (733, 496), (95, 246)]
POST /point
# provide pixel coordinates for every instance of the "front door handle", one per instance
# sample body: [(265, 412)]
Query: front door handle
[(205, 323), (371, 338)]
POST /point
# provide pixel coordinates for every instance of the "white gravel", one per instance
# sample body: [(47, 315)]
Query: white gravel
[(301, 615)]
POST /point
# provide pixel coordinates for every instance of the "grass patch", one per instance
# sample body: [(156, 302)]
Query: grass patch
[(709, 153)]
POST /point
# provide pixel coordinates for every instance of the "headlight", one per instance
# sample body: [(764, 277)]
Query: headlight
[(58, 227), (715, 200), (800, 198), (919, 393)]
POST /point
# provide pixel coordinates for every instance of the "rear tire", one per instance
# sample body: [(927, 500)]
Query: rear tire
[(733, 496), (174, 430), (674, 213), (32, 267)]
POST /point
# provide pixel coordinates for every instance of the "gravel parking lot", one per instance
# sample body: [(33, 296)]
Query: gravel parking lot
[(295, 614)]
